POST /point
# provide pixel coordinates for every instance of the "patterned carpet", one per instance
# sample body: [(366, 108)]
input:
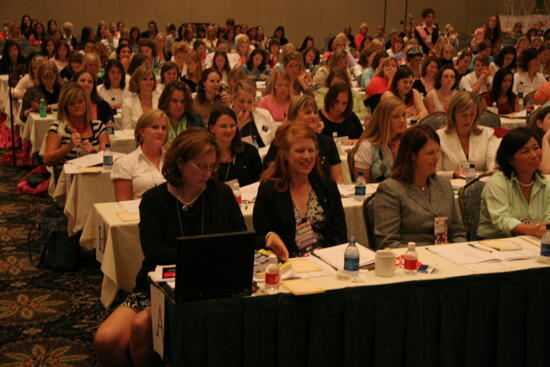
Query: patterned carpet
[(46, 318)]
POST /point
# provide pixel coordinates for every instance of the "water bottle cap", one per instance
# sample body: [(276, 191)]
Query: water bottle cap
[(107, 145), (361, 173)]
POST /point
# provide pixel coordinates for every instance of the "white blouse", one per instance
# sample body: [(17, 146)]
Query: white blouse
[(131, 109), (526, 85), (113, 96), (482, 151), (138, 169)]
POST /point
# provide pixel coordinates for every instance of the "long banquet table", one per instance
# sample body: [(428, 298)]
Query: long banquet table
[(453, 317)]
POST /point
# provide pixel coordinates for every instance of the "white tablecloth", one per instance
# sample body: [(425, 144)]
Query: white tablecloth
[(4, 97), (35, 129), (79, 192)]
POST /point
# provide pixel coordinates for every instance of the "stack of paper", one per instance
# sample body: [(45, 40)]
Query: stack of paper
[(475, 252)]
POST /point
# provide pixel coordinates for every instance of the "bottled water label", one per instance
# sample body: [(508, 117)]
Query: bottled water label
[(351, 263), (410, 264), (360, 190), (545, 249), (107, 160), (272, 279)]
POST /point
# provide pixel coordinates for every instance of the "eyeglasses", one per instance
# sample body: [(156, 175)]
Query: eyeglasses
[(204, 167)]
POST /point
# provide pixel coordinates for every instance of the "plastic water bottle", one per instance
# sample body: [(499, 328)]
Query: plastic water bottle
[(110, 126), (471, 171), (493, 108), (545, 246), (108, 158), (351, 258), (237, 192), (411, 258), (272, 276), (42, 108), (521, 95), (360, 187)]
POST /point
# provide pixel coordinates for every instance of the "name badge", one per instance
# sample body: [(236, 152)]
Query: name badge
[(305, 238), (441, 225)]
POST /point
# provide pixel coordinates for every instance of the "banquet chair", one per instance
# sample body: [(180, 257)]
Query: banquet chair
[(368, 215), (372, 101), (533, 115), (489, 119), (435, 120), (469, 199), (351, 165)]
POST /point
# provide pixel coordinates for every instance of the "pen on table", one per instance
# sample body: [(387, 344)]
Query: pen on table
[(479, 248)]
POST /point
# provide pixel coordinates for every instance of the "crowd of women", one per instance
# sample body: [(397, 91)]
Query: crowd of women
[(191, 95)]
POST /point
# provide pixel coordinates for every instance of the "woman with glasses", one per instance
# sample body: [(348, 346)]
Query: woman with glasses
[(189, 203)]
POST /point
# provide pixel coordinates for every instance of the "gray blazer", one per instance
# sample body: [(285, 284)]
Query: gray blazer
[(403, 212)]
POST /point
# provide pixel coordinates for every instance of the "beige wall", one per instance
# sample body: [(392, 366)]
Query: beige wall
[(300, 17)]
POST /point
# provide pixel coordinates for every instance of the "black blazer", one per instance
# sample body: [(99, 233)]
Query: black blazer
[(246, 169), (273, 211)]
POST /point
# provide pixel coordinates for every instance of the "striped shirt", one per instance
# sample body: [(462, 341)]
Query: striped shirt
[(64, 131)]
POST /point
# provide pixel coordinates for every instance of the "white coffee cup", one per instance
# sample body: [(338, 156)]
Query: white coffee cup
[(384, 263)]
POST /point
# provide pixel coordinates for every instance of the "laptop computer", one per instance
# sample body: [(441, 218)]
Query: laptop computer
[(214, 266)]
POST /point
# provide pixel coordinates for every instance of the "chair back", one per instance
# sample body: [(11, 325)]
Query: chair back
[(368, 215), (489, 119), (533, 115), (351, 165), (372, 101), (435, 120), (469, 198)]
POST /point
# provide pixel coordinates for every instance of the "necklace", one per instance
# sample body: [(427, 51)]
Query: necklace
[(526, 185), (189, 204)]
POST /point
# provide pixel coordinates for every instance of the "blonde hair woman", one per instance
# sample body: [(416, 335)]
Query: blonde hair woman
[(144, 97), (161, 54), (141, 170), (279, 91), (337, 60), (31, 78), (255, 124), (377, 147), (463, 141), (48, 87), (383, 77), (74, 133), (92, 64), (240, 54)]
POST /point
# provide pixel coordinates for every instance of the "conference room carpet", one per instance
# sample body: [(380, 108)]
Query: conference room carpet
[(47, 318)]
